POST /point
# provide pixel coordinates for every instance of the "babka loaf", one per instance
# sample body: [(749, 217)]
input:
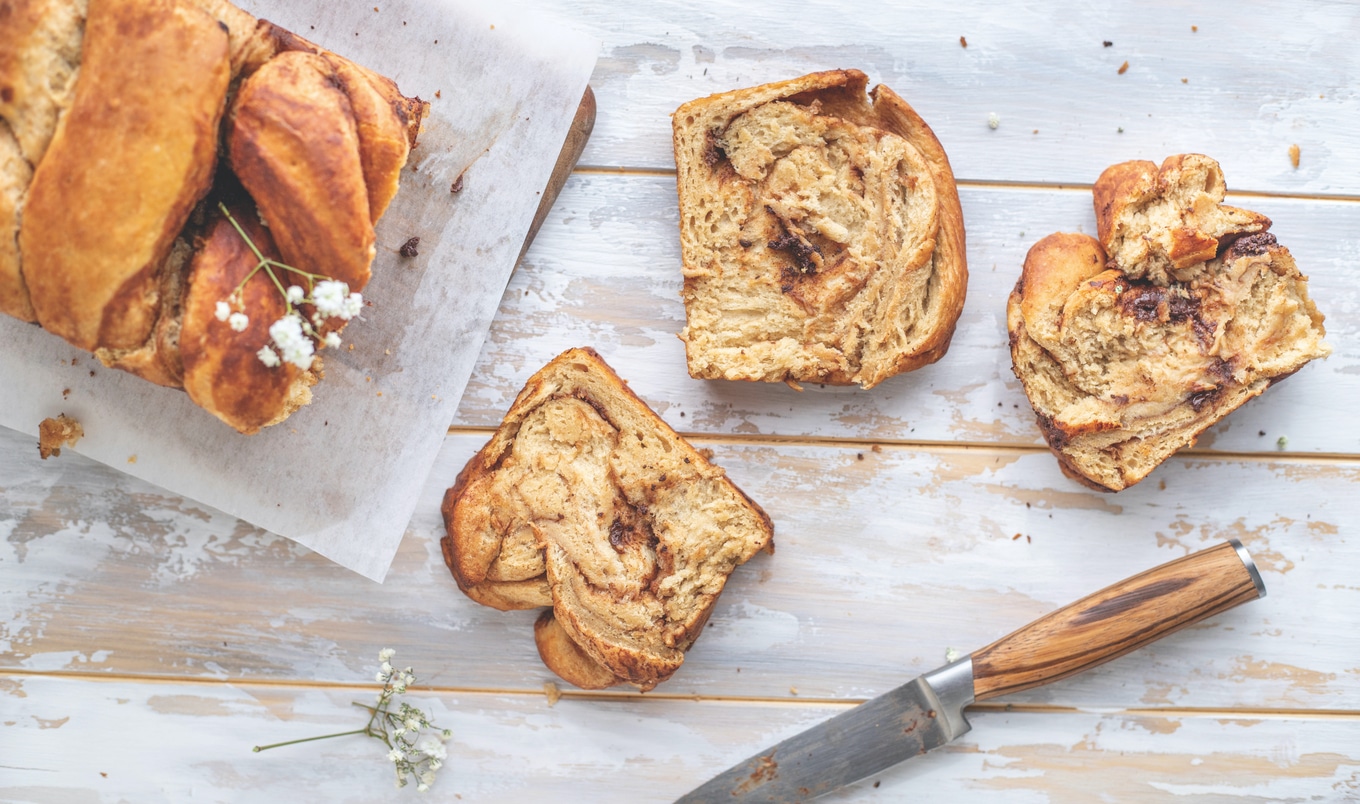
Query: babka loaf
[(1128, 347), (586, 501), (820, 232), (123, 229)]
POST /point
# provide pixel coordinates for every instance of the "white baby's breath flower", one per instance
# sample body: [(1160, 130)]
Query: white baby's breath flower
[(238, 322), (415, 755), (332, 340), (354, 304), (432, 747), (329, 297), (295, 294), (223, 310), (294, 346), (271, 359)]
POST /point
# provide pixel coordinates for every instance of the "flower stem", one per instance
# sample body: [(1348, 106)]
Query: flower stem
[(257, 749)]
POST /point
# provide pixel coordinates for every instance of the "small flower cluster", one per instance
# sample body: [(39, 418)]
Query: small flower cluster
[(293, 337), (414, 752)]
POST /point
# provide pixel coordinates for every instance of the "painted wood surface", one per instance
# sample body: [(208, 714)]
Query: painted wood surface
[(146, 641)]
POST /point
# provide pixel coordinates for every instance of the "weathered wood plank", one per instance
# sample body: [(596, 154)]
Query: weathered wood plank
[(605, 272), (884, 560), (1243, 87), (69, 739)]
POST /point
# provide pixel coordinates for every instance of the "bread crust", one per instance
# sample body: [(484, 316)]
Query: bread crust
[(821, 233), (142, 126), (294, 145), (627, 531), (39, 54), (221, 370), (1162, 222)]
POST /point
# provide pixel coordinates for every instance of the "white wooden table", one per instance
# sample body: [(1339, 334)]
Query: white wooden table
[(146, 642)]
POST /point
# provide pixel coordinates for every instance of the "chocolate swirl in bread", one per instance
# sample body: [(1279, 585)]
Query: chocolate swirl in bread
[(1130, 348), (820, 231), (584, 500)]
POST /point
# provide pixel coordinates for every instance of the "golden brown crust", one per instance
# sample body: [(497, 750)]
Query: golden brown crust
[(821, 233), (587, 492), (143, 127), (222, 371), (565, 658), (1116, 188), (294, 146), (383, 139), (950, 269), (1162, 222)]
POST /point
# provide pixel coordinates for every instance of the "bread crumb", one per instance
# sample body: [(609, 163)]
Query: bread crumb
[(963, 41), (793, 690), (457, 184), (410, 248), (65, 392), (438, 93), (877, 448), (792, 383), (1294, 156), (53, 434), (1281, 442), (1016, 537), (1123, 68), (1194, 28), (951, 655), (132, 459), (1107, 43), (553, 692), (1185, 80), (993, 120)]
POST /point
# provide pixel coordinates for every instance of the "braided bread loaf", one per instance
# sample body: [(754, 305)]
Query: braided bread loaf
[(112, 187)]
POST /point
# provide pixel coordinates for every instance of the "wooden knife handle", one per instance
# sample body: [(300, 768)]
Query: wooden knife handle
[(1117, 620)]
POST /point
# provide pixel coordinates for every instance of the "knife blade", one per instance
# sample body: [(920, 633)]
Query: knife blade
[(929, 711)]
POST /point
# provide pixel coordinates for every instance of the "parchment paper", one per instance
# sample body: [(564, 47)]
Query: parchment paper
[(342, 475)]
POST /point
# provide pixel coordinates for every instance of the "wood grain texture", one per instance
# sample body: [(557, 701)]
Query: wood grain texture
[(1118, 619), (76, 740), (883, 563), (1040, 67), (150, 638)]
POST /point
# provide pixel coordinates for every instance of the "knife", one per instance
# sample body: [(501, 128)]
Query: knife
[(928, 712)]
